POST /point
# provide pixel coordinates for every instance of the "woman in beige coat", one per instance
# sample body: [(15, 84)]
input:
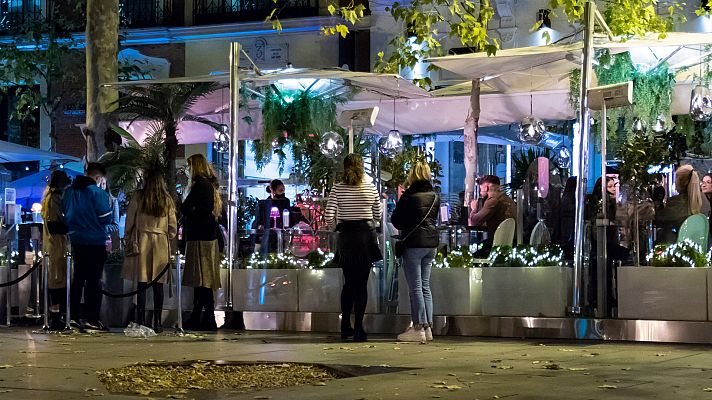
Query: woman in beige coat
[(151, 223), (55, 243)]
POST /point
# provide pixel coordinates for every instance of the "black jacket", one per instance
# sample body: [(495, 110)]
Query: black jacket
[(411, 209), (199, 223)]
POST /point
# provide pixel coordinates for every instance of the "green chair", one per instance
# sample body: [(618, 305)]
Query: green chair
[(696, 230)]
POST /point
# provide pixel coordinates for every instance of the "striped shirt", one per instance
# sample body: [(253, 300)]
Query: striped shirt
[(353, 203)]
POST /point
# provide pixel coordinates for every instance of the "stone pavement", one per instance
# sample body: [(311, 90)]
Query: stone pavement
[(34, 366)]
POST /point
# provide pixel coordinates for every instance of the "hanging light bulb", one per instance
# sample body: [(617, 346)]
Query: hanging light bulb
[(639, 126), (563, 158), (659, 126), (222, 139), (701, 103), (391, 145), (531, 130), (332, 144)]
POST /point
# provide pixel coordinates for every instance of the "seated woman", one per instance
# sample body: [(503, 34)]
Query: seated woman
[(679, 207)]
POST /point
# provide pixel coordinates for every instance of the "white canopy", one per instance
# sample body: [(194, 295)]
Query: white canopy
[(12, 152)]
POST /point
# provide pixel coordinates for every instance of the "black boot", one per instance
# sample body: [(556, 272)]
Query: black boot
[(193, 322), (140, 317), (208, 321), (157, 307)]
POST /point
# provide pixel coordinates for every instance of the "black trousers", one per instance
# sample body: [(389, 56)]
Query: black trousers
[(203, 298), (88, 267), (157, 290), (357, 249), (59, 296), (354, 295)]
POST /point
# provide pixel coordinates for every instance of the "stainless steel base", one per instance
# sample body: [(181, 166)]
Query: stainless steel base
[(509, 327)]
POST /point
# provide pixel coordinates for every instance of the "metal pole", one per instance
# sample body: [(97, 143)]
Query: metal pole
[(351, 137), (8, 290), (45, 286), (582, 181), (37, 275), (179, 295), (233, 168), (601, 226), (68, 318), (280, 241)]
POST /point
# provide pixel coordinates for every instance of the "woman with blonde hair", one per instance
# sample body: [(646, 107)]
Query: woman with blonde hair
[(355, 208), (55, 243), (201, 210), (415, 217), (687, 202), (150, 227)]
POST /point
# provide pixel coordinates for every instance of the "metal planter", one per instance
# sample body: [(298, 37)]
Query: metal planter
[(320, 290), (526, 292), (266, 290), (456, 291)]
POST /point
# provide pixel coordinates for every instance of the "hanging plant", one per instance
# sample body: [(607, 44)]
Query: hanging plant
[(399, 166)]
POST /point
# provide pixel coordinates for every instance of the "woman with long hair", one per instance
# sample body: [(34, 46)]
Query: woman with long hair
[(355, 208), (687, 202), (415, 217), (201, 210), (151, 222), (55, 244)]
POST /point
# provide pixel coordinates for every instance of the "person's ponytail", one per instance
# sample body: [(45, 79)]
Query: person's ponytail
[(694, 193)]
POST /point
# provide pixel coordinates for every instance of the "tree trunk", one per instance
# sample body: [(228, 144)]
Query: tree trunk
[(102, 46), (470, 138), (171, 153)]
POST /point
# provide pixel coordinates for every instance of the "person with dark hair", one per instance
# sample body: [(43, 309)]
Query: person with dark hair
[(201, 210), (150, 227), (87, 212), (276, 189), (55, 244), (354, 206), (497, 207), (276, 198)]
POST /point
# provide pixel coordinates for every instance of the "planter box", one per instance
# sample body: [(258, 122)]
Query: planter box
[(526, 292), (456, 291), (20, 293), (320, 290), (115, 312), (265, 290), (663, 293)]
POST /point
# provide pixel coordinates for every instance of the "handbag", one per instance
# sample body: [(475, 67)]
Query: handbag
[(400, 242), (131, 248)]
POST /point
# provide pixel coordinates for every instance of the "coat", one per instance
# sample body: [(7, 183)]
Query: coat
[(671, 217), (202, 258), (418, 203), (55, 245), (154, 237), (87, 211), (496, 208)]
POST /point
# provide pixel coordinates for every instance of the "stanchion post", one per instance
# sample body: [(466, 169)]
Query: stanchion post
[(8, 290), (45, 290), (68, 317), (179, 295), (37, 275)]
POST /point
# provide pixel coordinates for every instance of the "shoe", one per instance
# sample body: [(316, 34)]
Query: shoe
[(207, 322), (360, 336), (346, 333), (412, 334), (56, 323), (95, 325), (157, 324), (429, 334), (74, 324)]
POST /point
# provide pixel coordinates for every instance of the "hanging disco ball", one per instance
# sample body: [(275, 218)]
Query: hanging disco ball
[(660, 126), (531, 130), (222, 139), (332, 144), (701, 103), (563, 158), (391, 145), (639, 126)]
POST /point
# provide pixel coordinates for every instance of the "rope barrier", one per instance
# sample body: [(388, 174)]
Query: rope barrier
[(137, 291), (25, 275)]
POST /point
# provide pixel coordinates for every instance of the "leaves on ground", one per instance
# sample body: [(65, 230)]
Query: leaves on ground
[(553, 366), (608, 387)]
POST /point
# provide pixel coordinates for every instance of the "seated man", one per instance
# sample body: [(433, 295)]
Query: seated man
[(497, 207)]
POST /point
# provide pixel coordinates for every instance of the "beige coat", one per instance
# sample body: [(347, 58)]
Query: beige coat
[(55, 245), (154, 237)]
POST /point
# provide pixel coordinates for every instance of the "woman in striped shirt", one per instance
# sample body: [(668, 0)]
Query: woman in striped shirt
[(355, 208)]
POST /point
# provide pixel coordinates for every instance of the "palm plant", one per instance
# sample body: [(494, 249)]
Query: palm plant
[(166, 105)]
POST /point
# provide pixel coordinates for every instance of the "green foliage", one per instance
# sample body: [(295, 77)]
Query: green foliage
[(461, 257), (639, 152), (527, 256), (274, 261), (320, 260), (520, 165), (399, 166), (246, 211), (685, 254)]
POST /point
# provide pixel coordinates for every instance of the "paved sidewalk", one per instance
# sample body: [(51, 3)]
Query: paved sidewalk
[(36, 366)]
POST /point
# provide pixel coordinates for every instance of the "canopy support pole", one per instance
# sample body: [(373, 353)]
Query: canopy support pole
[(233, 200), (582, 181)]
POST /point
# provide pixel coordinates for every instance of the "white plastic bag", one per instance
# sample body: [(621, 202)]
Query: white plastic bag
[(136, 330)]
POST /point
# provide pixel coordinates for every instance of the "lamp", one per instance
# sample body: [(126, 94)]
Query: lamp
[(274, 214), (544, 16)]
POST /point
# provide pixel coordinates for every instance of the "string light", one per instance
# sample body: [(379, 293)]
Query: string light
[(684, 254)]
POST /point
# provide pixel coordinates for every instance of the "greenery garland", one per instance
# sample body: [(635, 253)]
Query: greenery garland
[(685, 254), (527, 256)]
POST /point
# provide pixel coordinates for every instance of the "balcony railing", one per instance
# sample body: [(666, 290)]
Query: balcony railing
[(16, 13), (148, 13), (221, 11)]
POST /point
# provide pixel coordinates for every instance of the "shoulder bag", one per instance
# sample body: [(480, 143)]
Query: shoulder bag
[(400, 242)]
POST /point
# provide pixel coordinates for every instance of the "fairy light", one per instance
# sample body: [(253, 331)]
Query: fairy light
[(527, 256), (684, 254)]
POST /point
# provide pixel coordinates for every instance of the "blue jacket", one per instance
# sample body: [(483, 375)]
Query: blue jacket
[(87, 211)]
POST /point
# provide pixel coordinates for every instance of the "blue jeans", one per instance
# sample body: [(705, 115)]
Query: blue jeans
[(417, 263)]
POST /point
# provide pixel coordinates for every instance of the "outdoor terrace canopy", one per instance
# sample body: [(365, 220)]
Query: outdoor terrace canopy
[(12, 152)]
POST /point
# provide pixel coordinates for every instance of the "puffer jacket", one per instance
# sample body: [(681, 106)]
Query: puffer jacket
[(87, 211), (411, 209)]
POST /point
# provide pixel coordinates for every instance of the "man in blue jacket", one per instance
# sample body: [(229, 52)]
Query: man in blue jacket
[(87, 212)]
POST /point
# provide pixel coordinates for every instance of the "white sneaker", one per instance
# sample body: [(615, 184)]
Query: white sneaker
[(428, 334), (412, 334)]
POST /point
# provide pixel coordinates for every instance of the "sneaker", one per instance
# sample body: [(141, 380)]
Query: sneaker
[(412, 334), (94, 326), (429, 334)]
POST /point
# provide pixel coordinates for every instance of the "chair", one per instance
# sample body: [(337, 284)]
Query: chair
[(503, 236), (540, 235), (695, 229)]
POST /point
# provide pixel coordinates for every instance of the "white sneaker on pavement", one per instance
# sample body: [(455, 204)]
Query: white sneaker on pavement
[(428, 334), (412, 334)]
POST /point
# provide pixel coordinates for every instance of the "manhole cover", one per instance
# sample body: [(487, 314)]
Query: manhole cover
[(177, 380)]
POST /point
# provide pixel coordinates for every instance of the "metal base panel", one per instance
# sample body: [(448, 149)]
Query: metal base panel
[(507, 327)]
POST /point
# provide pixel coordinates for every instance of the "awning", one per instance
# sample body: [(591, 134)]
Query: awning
[(32, 186), (11, 152)]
